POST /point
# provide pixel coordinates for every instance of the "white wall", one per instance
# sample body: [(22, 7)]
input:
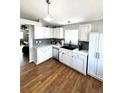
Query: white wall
[(31, 43), (97, 26)]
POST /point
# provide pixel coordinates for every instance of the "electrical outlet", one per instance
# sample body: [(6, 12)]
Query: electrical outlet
[(36, 42)]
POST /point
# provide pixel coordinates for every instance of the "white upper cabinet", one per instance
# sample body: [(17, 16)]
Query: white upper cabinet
[(48, 32), (51, 32), (39, 32), (84, 32), (43, 32), (58, 33)]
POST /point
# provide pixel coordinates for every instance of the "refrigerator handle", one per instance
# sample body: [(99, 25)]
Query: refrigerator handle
[(97, 55)]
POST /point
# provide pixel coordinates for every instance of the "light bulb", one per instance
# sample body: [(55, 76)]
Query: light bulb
[(48, 18)]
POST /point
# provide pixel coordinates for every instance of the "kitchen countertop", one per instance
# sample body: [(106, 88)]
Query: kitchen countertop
[(57, 46), (41, 46), (83, 52)]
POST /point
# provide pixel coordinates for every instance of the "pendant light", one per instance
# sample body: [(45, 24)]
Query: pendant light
[(48, 17)]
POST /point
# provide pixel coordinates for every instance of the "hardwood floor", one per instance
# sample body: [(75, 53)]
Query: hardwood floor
[(54, 77)]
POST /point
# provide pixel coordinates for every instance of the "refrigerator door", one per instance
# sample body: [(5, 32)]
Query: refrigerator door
[(92, 59)]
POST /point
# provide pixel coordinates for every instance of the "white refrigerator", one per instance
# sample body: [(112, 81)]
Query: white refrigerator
[(95, 59)]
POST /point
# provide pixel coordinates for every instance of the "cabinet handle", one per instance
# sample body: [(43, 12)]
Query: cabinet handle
[(97, 55)]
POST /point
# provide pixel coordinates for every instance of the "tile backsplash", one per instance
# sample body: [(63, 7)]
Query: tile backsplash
[(84, 44), (40, 42)]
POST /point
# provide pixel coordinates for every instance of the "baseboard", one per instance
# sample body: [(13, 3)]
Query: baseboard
[(95, 77)]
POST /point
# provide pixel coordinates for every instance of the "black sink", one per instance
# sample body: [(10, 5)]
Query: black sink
[(68, 47)]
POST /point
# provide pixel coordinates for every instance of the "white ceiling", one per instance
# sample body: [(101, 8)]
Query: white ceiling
[(62, 10)]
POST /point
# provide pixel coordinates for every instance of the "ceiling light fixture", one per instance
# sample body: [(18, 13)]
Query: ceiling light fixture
[(48, 17)]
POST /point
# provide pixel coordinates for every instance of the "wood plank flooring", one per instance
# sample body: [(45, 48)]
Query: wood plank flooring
[(54, 77)]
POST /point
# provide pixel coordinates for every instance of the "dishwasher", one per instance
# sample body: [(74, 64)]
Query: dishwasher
[(56, 53)]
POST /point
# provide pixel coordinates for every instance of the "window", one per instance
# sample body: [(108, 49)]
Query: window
[(71, 35), (21, 35)]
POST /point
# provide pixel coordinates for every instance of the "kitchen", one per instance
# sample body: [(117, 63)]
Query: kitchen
[(76, 45)]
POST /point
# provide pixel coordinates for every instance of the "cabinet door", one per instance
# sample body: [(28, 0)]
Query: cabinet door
[(79, 63), (75, 63), (41, 55), (61, 34), (55, 33), (65, 57), (39, 32), (58, 33), (61, 55), (47, 33), (49, 52), (92, 60), (84, 32), (100, 58), (51, 32), (68, 58)]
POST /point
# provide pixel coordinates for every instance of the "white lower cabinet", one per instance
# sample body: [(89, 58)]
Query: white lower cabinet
[(61, 57), (73, 60), (65, 56), (43, 54), (49, 52), (68, 58), (79, 62), (40, 55)]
